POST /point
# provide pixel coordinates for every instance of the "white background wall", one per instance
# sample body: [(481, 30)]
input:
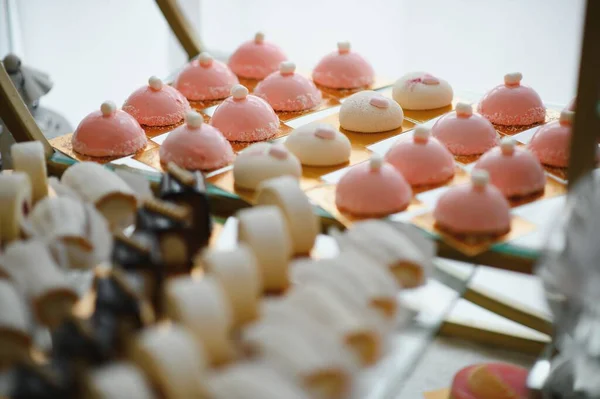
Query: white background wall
[(103, 49)]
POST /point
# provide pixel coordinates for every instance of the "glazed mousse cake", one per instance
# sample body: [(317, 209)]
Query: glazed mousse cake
[(256, 59), (343, 69)]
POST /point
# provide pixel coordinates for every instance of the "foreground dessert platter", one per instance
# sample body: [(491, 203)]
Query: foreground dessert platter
[(157, 104), (343, 69), (420, 91)]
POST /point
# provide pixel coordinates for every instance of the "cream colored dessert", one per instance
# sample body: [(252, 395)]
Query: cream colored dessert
[(421, 91), (15, 203), (319, 144), (118, 380), (369, 112), (29, 158), (262, 161)]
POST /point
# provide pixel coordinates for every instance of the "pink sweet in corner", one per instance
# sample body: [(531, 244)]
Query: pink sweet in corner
[(343, 69), (286, 90), (196, 146), (515, 171), (512, 104), (244, 117), (465, 133), (256, 59), (108, 132), (422, 160), (205, 79), (372, 189), (157, 104)]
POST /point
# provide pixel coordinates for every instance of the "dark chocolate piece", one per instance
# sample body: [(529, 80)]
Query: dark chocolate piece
[(35, 382), (114, 296), (189, 189), (74, 340)]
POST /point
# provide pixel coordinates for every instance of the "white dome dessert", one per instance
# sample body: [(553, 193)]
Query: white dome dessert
[(319, 144)]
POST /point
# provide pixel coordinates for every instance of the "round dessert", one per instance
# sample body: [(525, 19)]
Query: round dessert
[(370, 112), (421, 91), (108, 132), (372, 189), (319, 144), (286, 90), (512, 104), (256, 59), (157, 104), (196, 146), (490, 381), (465, 133), (343, 69), (473, 209), (262, 161), (422, 159), (244, 117), (515, 171), (205, 79), (552, 142)]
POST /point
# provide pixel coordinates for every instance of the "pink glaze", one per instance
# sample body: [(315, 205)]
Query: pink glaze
[(160, 106), (512, 377), (473, 209), (372, 191), (421, 160), (205, 79), (551, 144), (108, 132), (196, 146), (515, 172), (286, 91), (245, 119), (465, 134), (512, 105), (343, 69), (256, 59)]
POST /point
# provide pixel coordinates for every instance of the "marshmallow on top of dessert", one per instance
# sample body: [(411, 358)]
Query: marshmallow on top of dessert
[(256, 59), (552, 142), (369, 112), (465, 133), (422, 91), (108, 132), (515, 171), (422, 159), (157, 104), (286, 90), (343, 69), (473, 209), (372, 189), (262, 161), (319, 144), (490, 381), (512, 104), (244, 117), (205, 79), (196, 146)]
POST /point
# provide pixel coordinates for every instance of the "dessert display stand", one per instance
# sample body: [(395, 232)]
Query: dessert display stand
[(586, 131)]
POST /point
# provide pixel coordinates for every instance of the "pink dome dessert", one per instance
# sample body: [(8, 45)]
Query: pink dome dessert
[(285, 90), (343, 69), (512, 104), (108, 132), (372, 189), (205, 79), (244, 117), (256, 59), (515, 171), (465, 133), (552, 142), (422, 160), (477, 208), (196, 146), (490, 381), (157, 104)]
